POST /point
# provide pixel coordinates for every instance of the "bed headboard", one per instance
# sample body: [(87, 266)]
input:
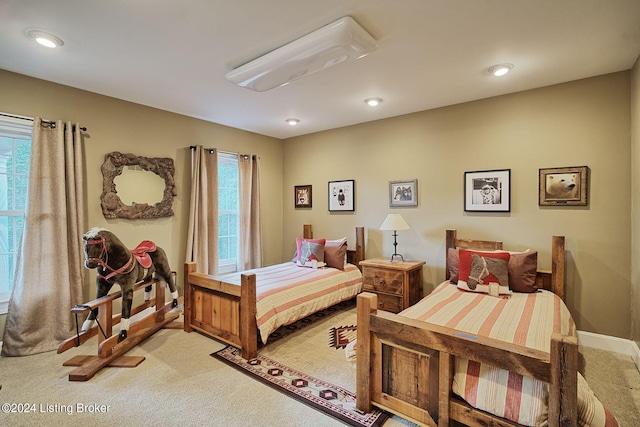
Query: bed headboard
[(354, 256), (550, 280)]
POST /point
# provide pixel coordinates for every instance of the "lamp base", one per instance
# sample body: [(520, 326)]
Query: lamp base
[(395, 247), (397, 255)]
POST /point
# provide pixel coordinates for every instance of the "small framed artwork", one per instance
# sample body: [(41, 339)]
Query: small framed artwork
[(403, 193), (341, 195), (302, 196), (487, 191), (563, 186)]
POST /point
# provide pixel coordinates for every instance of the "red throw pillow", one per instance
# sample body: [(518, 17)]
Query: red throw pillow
[(488, 267)]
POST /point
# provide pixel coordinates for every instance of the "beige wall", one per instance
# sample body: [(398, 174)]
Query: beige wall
[(635, 200), (115, 125), (585, 122)]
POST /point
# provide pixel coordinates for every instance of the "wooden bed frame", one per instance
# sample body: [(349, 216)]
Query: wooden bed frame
[(405, 366), (226, 311)]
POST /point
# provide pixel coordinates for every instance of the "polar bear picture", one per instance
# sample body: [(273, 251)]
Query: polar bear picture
[(564, 186)]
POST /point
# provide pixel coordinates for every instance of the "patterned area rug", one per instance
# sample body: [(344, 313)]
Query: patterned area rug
[(341, 336), (321, 395)]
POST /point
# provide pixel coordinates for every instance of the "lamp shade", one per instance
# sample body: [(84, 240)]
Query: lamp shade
[(394, 222)]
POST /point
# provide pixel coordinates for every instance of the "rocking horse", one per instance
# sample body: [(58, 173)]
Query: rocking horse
[(115, 264)]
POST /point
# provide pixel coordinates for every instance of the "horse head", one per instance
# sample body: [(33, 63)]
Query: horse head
[(100, 246), (95, 247)]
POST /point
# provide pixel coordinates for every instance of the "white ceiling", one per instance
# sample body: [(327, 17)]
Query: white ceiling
[(173, 55)]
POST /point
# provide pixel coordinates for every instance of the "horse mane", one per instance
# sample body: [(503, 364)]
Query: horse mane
[(94, 233), (112, 241)]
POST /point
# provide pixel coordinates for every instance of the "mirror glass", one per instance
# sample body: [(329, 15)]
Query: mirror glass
[(140, 186)]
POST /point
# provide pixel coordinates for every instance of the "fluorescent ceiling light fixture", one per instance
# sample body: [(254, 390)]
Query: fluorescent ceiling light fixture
[(44, 38), (341, 41), (373, 102), (501, 69), (292, 121)]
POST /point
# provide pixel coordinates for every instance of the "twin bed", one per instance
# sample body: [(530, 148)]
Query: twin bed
[(476, 356), (236, 308)]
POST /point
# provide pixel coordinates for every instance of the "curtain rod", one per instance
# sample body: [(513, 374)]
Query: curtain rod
[(211, 150), (49, 122)]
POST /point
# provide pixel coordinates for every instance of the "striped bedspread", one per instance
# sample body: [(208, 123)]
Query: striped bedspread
[(524, 319), (287, 292)]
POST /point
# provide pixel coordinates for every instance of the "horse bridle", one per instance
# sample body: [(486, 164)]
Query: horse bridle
[(102, 259)]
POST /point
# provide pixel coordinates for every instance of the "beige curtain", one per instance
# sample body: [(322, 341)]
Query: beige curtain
[(203, 211), (49, 271), (250, 223)]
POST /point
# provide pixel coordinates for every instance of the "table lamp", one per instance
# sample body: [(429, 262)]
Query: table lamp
[(395, 222)]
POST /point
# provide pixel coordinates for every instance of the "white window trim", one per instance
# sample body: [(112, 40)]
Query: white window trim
[(17, 132), (230, 265), (4, 302)]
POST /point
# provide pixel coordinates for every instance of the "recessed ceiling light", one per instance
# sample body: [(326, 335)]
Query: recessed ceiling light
[(372, 102), (500, 69), (292, 121), (44, 38)]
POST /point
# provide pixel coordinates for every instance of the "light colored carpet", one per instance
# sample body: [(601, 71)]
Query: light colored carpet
[(615, 379), (179, 382)]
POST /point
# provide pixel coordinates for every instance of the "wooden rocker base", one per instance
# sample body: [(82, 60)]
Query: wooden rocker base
[(92, 364), (120, 362), (110, 351)]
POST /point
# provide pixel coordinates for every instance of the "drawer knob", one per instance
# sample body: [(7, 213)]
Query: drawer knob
[(381, 305), (381, 281)]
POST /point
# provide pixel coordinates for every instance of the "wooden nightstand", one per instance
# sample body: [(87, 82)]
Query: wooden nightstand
[(398, 283)]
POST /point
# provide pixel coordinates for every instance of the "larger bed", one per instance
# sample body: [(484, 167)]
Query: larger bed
[(505, 359), (236, 308)]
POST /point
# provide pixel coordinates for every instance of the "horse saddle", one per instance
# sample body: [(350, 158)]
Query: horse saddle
[(141, 252)]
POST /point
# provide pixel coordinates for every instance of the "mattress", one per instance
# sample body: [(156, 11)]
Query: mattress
[(287, 292), (526, 319)]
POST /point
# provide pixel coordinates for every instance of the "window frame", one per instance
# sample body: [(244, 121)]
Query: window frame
[(229, 265), (14, 127)]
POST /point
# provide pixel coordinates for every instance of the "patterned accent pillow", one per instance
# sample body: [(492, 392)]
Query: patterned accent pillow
[(484, 272), (523, 268), (298, 253), (310, 251)]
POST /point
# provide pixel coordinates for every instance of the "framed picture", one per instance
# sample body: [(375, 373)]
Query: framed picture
[(403, 193), (487, 191), (341, 195), (302, 196), (563, 186)]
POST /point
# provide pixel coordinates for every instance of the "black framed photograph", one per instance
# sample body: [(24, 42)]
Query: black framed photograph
[(566, 186), (487, 191), (403, 193), (302, 196), (341, 195)]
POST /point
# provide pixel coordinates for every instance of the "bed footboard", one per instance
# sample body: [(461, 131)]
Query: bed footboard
[(405, 366), (220, 310)]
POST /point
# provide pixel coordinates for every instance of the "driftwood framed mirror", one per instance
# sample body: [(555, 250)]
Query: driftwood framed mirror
[(114, 207)]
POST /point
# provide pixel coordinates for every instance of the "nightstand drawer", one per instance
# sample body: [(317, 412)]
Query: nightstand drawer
[(392, 303), (379, 280)]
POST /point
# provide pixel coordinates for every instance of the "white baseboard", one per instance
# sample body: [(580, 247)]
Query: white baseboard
[(608, 343)]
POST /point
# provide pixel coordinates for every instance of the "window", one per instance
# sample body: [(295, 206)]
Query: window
[(228, 213), (15, 154)]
